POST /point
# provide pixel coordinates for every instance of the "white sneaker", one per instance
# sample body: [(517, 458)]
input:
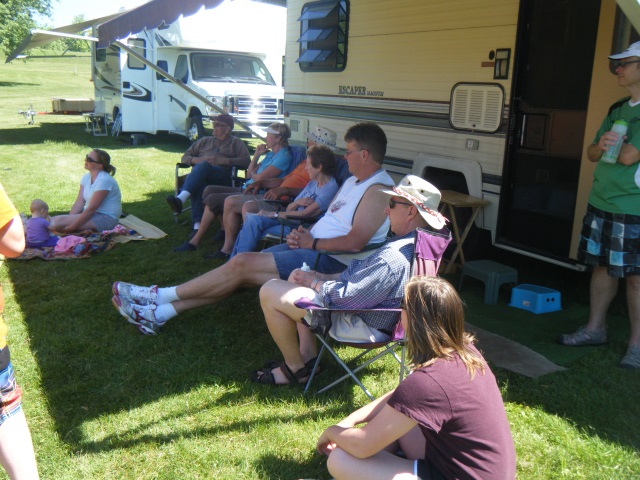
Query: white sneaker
[(141, 315), (136, 293)]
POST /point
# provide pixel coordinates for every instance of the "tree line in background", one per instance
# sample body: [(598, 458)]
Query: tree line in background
[(16, 22)]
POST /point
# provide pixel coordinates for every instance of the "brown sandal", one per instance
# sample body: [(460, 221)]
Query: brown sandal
[(266, 376)]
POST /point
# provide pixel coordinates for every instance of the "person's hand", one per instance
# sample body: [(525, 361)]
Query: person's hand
[(324, 445), (253, 188), (304, 202), (212, 160), (608, 140), (300, 238), (302, 278), (266, 213), (196, 160), (262, 149), (274, 193)]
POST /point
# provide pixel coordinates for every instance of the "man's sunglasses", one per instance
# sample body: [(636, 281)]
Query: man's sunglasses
[(393, 203)]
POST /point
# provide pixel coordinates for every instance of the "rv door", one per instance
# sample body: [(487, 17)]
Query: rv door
[(138, 90), (172, 100)]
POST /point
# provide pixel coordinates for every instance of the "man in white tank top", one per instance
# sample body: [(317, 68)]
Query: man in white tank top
[(355, 218)]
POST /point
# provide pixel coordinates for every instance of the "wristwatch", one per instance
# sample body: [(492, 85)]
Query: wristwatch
[(275, 215)]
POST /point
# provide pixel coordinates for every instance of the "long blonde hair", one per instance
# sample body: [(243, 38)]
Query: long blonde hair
[(435, 324)]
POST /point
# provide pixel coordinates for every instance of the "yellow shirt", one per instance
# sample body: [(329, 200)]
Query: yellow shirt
[(7, 213)]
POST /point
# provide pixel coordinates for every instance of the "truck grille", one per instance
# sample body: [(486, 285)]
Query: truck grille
[(256, 109)]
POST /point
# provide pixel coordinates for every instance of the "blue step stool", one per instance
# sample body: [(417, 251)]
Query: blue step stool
[(493, 274), (536, 299)]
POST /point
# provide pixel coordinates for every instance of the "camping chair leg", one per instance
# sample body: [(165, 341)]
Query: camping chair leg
[(402, 367), (351, 373), (315, 368), (344, 366)]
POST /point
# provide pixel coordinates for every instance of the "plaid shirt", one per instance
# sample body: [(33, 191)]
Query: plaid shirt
[(377, 281)]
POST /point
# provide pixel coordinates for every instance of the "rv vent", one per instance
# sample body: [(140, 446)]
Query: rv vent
[(476, 106)]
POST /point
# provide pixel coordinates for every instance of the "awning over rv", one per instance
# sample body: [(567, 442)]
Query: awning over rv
[(118, 25), (38, 38), (149, 15)]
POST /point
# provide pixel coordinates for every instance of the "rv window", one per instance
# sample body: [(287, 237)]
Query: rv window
[(229, 67), (623, 35), (323, 36), (101, 54), (182, 69), (137, 45)]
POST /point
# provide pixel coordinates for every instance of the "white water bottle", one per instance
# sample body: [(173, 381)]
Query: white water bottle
[(305, 267), (611, 155)]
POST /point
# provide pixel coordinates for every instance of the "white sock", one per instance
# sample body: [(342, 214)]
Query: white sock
[(196, 225), (167, 295), (184, 196), (164, 312)]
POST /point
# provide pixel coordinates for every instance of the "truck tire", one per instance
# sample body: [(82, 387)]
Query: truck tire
[(196, 128)]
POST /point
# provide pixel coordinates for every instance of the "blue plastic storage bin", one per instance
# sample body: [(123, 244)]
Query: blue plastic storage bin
[(535, 299)]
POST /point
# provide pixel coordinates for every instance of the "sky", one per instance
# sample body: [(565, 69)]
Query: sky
[(65, 10)]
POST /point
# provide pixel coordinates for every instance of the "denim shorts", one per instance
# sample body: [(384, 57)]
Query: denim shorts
[(610, 240), (10, 394), (288, 260), (104, 222)]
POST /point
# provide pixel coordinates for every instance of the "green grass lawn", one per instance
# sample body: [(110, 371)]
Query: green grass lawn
[(104, 401)]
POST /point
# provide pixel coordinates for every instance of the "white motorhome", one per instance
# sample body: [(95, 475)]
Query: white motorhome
[(494, 98), (231, 55)]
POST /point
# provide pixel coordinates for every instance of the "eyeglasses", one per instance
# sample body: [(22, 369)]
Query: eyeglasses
[(349, 152), (90, 160), (393, 203), (624, 64)]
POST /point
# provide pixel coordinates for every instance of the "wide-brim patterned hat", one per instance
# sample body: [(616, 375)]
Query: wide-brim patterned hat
[(424, 196), (323, 136)]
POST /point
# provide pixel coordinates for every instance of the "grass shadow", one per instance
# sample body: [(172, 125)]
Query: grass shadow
[(74, 133), (17, 84)]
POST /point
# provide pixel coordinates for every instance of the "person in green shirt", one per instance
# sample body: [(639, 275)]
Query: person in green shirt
[(610, 239)]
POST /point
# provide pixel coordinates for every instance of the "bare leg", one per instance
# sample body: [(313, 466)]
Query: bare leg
[(244, 270), (633, 303), (207, 219), (282, 318), (63, 221), (231, 221), (602, 291), (250, 207), (383, 465), (16, 449)]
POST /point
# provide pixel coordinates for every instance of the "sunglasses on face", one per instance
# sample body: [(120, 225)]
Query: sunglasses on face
[(624, 64), (393, 203), (90, 160)]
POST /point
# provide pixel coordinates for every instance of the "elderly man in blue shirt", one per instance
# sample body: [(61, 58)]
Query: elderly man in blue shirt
[(375, 282)]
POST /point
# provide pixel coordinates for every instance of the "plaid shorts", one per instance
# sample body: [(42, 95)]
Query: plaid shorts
[(611, 240), (10, 394)]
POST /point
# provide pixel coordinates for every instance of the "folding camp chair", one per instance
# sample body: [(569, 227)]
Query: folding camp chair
[(428, 250)]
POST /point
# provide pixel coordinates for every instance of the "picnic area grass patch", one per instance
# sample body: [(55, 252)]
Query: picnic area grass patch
[(104, 401)]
